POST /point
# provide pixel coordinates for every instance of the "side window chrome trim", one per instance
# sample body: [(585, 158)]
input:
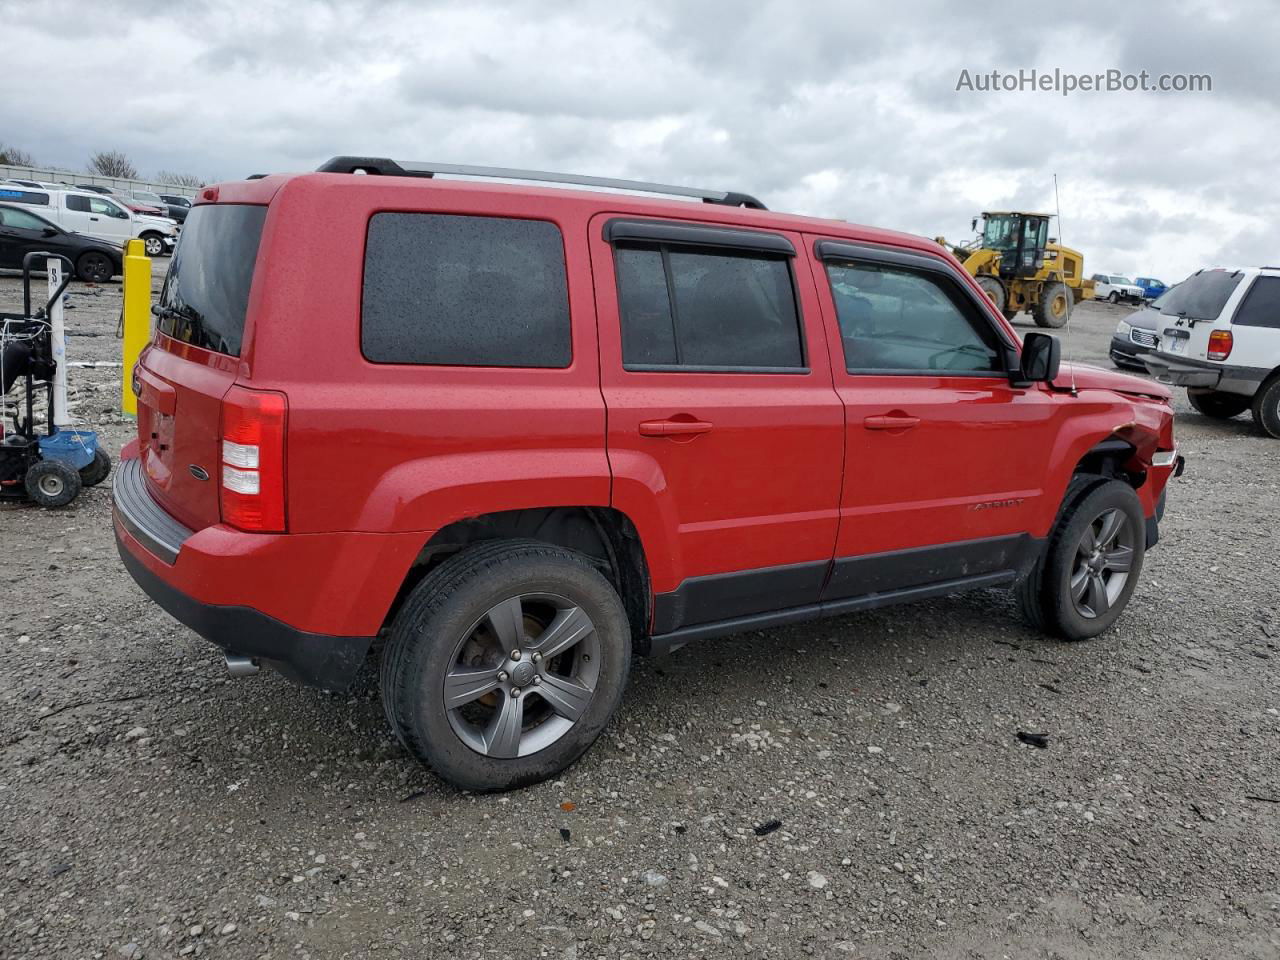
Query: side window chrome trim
[(694, 235)]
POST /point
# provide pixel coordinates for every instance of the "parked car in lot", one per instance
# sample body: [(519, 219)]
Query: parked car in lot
[(23, 231), (96, 215), (179, 206), (1137, 334), (556, 426), (1220, 338), (1116, 288), (1151, 287)]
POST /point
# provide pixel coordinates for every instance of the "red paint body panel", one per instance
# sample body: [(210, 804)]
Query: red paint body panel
[(379, 456)]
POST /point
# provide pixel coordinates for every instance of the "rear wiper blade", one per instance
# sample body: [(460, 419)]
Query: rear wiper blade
[(180, 312)]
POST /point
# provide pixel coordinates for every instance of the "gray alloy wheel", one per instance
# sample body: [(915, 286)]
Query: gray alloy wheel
[(152, 244), (1104, 558), (522, 675)]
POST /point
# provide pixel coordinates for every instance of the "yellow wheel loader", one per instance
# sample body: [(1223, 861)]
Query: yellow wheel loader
[(1021, 267)]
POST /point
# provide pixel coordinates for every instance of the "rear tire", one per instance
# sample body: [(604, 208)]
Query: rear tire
[(51, 483), (1091, 565), (1053, 309), (98, 470), (1266, 407), (95, 267), (1219, 405), (456, 697)]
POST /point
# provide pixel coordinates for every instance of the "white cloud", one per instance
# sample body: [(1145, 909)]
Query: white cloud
[(835, 109)]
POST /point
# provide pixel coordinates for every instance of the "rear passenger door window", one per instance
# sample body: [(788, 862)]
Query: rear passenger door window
[(684, 308), (464, 291), (1261, 306), (902, 321)]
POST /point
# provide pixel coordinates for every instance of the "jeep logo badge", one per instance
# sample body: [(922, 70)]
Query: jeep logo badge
[(198, 472)]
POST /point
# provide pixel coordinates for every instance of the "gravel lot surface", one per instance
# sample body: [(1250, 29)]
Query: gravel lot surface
[(851, 788)]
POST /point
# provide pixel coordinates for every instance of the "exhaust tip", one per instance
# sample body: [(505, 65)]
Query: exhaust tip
[(239, 666)]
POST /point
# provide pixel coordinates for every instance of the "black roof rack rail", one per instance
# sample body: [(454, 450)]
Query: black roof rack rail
[(385, 167)]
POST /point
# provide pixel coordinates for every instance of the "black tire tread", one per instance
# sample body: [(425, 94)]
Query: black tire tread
[(427, 598), (1030, 591), (1266, 407)]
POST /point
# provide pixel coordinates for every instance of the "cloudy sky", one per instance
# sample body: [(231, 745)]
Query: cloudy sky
[(838, 108)]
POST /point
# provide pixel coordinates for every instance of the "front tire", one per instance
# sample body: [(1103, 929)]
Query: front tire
[(51, 483), (1054, 306), (1113, 297), (1219, 405), (1090, 567), (994, 289), (152, 244), (505, 664), (1266, 407)]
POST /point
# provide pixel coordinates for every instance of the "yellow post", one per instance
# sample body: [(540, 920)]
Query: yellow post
[(137, 317)]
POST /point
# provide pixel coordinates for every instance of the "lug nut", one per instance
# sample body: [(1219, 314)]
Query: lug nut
[(536, 681), (537, 657), (502, 676), (515, 692), (515, 654)]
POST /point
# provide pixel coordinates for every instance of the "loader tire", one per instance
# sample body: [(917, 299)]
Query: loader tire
[(1054, 306)]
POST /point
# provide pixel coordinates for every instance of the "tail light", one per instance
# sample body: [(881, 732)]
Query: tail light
[(1219, 344), (252, 467)]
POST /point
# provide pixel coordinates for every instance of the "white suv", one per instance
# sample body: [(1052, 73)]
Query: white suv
[(1220, 338), (95, 215), (1113, 287)]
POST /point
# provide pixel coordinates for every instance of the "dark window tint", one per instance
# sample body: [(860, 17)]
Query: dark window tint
[(465, 291), (902, 320), (648, 331), (206, 291), (1202, 295), (1261, 307), (79, 204), (731, 310)]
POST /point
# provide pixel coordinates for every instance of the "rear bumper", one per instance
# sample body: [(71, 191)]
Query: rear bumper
[(307, 604), (316, 660), (1205, 374)]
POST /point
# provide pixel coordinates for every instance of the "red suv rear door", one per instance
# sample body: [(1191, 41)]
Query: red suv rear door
[(724, 430), (945, 461)]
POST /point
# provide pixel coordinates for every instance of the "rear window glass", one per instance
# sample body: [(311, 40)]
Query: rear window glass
[(206, 292), (1261, 307), (1201, 296), (465, 291)]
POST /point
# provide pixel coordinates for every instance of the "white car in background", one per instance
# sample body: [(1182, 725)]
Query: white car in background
[(1113, 288), (96, 215)]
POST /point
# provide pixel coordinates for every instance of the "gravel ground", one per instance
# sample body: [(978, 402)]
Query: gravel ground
[(851, 788)]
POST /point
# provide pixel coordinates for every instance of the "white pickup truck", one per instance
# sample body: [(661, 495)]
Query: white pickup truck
[(1114, 288), (96, 216)]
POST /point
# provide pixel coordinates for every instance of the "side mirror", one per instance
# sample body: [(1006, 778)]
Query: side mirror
[(48, 232), (1040, 360), (973, 224)]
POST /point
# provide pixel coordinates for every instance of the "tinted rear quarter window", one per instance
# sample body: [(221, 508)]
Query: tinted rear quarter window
[(1261, 306), (24, 196), (451, 290), (206, 291)]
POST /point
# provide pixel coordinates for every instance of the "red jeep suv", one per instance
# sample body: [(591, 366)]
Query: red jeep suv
[(512, 434)]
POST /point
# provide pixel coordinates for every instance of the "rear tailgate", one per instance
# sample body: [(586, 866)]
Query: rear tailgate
[(1192, 310), (193, 361)]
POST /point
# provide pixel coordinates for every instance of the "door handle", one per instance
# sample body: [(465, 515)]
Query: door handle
[(93, 218), (673, 428), (890, 422)]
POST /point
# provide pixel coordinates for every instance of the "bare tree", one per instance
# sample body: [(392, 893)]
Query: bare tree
[(16, 157), (180, 179), (113, 163)]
